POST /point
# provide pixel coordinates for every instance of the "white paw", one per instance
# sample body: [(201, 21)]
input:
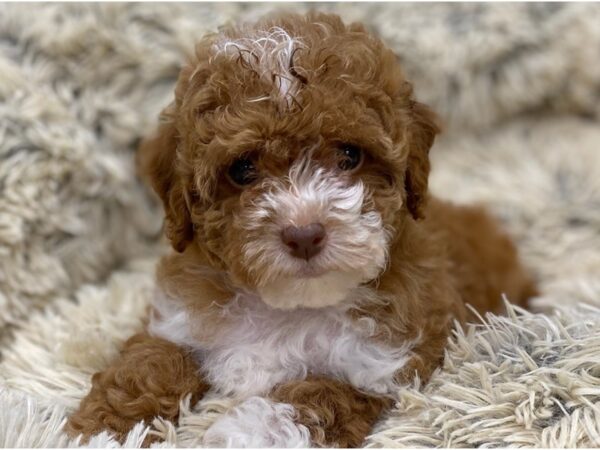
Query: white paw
[(259, 423)]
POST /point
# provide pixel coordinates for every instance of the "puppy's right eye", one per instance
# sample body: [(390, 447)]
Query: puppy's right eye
[(243, 172)]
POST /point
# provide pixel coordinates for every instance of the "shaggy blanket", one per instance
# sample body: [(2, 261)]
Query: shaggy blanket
[(518, 87)]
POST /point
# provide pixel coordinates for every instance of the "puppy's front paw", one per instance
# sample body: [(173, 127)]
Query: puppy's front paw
[(258, 422), (148, 379)]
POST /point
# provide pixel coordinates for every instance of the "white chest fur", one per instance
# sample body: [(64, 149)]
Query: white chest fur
[(259, 347)]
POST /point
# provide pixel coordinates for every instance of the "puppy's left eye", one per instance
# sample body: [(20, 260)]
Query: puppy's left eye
[(350, 156), (243, 172)]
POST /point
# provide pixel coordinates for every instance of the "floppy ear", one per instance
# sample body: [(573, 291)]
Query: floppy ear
[(157, 160), (422, 130)]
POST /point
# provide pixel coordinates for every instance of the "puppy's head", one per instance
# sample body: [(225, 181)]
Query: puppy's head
[(291, 157)]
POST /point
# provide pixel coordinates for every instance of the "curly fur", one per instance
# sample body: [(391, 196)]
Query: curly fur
[(241, 359), (335, 413), (149, 379), (257, 423), (259, 322)]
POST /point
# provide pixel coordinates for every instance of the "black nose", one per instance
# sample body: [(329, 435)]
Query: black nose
[(304, 242)]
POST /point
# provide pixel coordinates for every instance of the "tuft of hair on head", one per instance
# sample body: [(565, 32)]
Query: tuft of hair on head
[(270, 54)]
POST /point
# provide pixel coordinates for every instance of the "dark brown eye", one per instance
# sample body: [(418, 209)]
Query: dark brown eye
[(350, 156), (243, 172)]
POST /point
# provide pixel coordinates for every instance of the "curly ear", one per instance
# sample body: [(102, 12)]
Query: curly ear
[(156, 161), (422, 130)]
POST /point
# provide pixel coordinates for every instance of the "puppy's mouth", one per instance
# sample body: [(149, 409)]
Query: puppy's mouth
[(319, 281), (310, 270)]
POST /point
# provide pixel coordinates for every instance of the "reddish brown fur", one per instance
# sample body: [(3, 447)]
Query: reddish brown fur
[(455, 255), (336, 414), (149, 379)]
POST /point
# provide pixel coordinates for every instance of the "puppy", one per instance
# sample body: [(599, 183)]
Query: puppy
[(312, 274)]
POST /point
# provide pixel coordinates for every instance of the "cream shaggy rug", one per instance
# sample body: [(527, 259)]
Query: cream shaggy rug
[(518, 86)]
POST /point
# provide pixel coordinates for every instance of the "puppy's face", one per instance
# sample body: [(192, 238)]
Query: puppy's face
[(290, 158)]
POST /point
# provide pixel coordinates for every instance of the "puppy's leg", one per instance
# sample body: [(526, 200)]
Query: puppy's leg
[(335, 413), (317, 411), (148, 379), (258, 422)]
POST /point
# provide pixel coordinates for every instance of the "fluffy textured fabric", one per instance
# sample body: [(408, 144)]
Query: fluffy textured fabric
[(518, 86)]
